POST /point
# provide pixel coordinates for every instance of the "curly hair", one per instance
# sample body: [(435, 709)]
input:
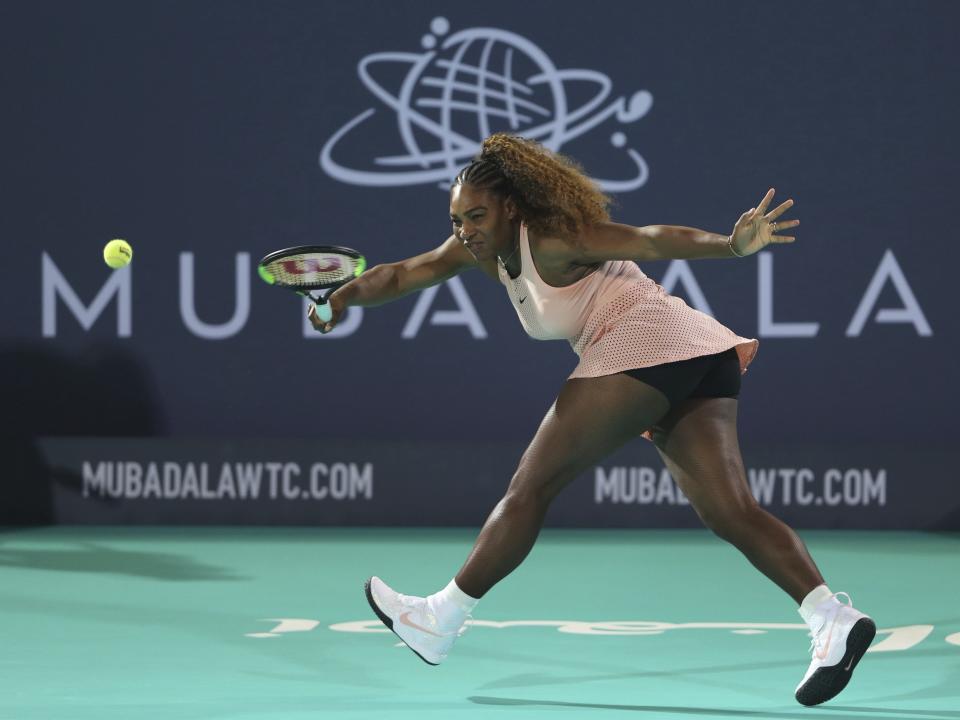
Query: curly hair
[(551, 191)]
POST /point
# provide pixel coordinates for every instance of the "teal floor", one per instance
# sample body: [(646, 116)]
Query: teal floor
[(263, 623)]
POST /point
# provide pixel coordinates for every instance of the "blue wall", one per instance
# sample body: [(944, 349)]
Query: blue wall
[(195, 131)]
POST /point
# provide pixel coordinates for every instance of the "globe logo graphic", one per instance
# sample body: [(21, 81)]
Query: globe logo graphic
[(473, 83)]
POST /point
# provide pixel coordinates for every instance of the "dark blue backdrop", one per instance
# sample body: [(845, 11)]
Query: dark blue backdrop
[(195, 130)]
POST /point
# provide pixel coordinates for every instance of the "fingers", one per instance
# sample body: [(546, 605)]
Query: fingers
[(787, 224), (780, 210), (782, 238), (762, 207)]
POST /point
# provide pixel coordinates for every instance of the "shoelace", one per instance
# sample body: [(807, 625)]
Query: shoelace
[(814, 635), (466, 626)]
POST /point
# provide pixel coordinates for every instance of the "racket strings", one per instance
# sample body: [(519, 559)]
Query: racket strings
[(312, 270)]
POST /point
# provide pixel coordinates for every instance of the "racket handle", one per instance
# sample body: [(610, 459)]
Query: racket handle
[(324, 312)]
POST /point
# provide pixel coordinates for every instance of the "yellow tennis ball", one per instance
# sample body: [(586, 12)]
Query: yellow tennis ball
[(117, 253)]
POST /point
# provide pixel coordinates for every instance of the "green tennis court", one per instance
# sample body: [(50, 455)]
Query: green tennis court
[(267, 623)]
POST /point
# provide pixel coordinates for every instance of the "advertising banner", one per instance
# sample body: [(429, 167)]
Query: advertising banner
[(209, 134)]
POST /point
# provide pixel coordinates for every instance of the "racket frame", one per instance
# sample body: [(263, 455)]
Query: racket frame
[(323, 309)]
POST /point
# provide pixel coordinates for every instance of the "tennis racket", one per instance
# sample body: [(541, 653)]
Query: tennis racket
[(312, 267)]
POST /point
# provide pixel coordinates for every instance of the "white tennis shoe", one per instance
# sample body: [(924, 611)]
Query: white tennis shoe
[(412, 620), (840, 636)]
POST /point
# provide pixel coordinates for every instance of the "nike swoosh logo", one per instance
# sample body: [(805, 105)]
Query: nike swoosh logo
[(523, 298), (849, 665), (405, 619)]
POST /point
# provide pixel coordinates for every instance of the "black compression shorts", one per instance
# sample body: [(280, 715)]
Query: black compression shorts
[(705, 376)]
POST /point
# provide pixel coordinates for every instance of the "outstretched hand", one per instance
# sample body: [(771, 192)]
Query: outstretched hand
[(757, 228)]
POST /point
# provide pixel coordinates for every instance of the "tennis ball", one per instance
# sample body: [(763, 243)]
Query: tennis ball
[(117, 253)]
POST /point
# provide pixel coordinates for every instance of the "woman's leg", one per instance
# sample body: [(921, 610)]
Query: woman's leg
[(591, 418), (698, 442)]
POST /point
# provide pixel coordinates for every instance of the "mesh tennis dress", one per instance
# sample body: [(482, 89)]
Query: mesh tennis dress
[(616, 318)]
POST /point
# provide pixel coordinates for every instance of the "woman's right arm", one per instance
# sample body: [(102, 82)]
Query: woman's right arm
[(383, 283)]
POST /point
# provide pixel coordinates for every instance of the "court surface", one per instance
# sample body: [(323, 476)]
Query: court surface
[(164, 623)]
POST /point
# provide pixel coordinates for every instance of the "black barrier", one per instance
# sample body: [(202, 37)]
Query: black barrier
[(209, 134)]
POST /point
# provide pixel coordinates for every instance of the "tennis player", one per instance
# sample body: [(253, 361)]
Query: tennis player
[(649, 365)]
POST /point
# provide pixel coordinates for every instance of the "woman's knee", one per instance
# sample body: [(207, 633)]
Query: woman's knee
[(734, 519), (535, 488)]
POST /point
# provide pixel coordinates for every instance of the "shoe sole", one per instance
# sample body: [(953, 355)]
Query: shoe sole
[(389, 623), (827, 682)]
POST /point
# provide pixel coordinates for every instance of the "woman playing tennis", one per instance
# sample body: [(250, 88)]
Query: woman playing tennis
[(649, 366)]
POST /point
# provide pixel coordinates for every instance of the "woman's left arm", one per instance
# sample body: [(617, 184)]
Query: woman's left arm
[(755, 229)]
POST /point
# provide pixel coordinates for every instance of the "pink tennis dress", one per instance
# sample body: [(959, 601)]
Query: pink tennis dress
[(616, 318)]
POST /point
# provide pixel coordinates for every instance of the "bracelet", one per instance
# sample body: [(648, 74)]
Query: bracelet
[(730, 245)]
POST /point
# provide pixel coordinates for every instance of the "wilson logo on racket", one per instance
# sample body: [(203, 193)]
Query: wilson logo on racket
[(305, 266), (312, 267)]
